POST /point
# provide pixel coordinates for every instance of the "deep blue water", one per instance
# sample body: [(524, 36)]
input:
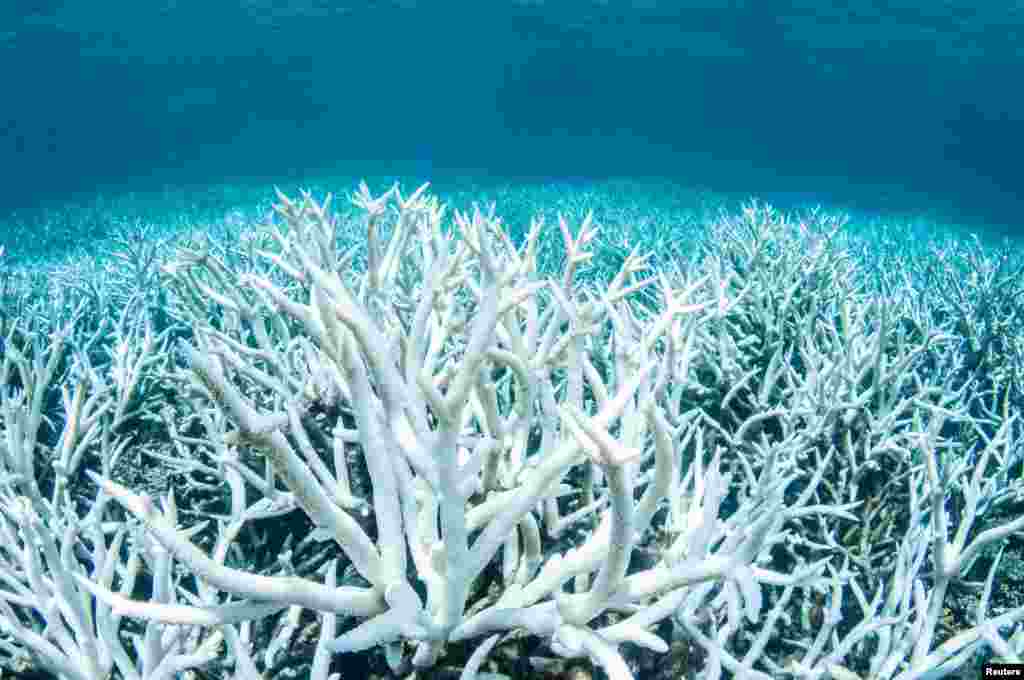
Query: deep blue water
[(883, 105)]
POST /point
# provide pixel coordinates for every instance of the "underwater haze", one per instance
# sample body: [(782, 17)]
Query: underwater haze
[(875, 106)]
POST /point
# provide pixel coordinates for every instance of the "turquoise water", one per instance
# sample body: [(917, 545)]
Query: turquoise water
[(878, 107)]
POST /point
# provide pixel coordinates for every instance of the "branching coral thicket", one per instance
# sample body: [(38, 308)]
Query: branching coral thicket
[(430, 451)]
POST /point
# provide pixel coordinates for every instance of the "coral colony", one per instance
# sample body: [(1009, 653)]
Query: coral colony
[(446, 450)]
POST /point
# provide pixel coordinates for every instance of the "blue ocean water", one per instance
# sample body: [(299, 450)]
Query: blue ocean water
[(119, 115), (895, 105)]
